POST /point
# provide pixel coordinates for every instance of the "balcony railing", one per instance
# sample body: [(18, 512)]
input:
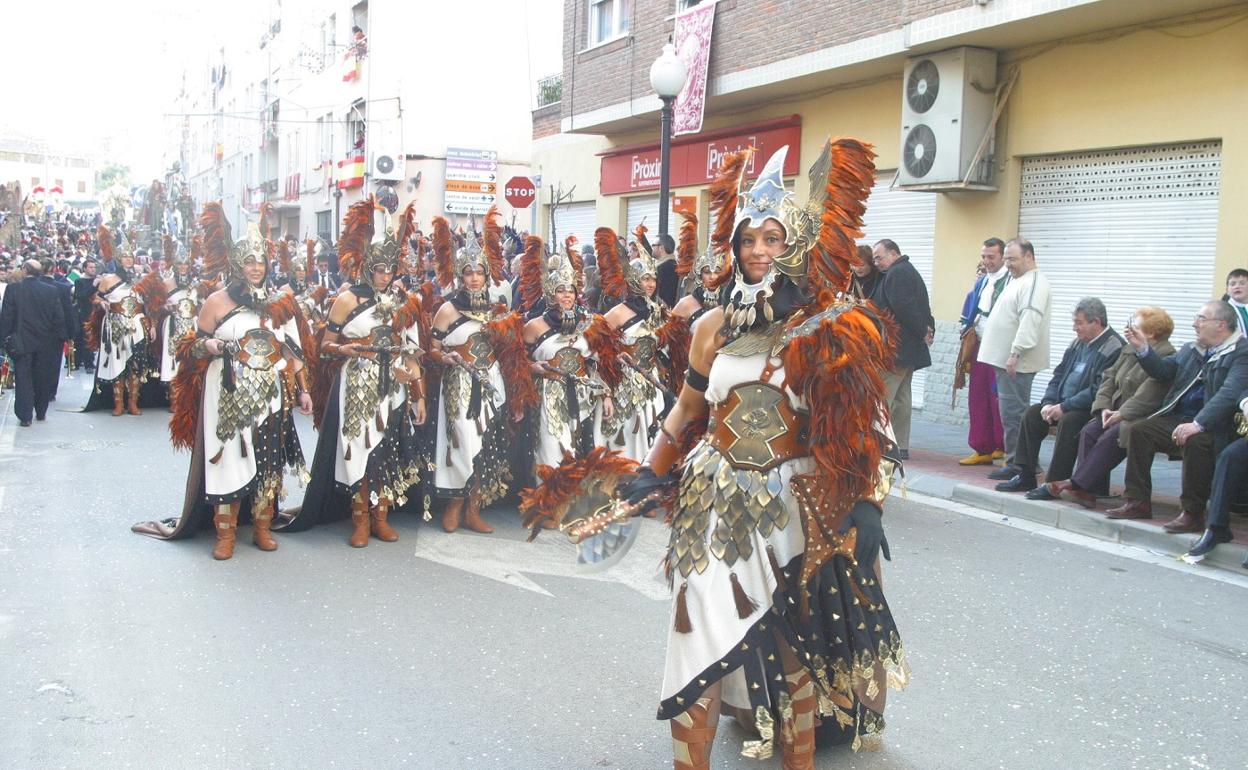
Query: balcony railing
[(549, 90)]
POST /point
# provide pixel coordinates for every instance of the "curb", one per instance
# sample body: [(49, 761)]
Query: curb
[(1229, 556)]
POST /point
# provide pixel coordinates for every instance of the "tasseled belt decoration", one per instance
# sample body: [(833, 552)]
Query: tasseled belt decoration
[(242, 441), (740, 599), (683, 625), (474, 401), (228, 381), (574, 403), (383, 380), (745, 605)]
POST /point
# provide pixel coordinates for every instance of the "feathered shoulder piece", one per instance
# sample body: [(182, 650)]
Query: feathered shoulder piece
[(153, 293), (410, 312), (577, 493), (104, 238), (492, 244), (443, 251), (840, 182), (723, 194), (675, 336), (506, 332), (687, 245), (606, 344), (357, 234), (836, 361), (610, 270), (282, 308), (531, 272), (185, 394), (217, 241)]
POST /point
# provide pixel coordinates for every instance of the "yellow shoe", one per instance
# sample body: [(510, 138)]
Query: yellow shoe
[(976, 459), (997, 454)]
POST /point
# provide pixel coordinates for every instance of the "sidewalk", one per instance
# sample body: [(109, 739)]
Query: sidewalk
[(933, 470)]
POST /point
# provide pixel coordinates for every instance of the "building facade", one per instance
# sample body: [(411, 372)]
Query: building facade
[(1110, 138), (39, 167), (333, 101)]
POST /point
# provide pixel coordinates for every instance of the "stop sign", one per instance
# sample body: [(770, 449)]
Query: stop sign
[(519, 192)]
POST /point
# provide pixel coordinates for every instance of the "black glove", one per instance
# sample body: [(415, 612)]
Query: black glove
[(867, 519), (638, 488)]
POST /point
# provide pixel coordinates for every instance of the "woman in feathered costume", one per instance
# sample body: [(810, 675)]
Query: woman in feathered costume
[(701, 269), (182, 306), (485, 379), (237, 380), (779, 614), (371, 398)]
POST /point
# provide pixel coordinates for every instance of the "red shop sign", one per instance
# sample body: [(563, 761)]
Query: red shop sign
[(695, 159)]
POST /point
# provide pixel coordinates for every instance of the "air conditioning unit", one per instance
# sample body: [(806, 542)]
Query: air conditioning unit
[(946, 107), (387, 166)]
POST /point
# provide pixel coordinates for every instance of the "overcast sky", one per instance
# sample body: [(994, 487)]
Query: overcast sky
[(97, 76)]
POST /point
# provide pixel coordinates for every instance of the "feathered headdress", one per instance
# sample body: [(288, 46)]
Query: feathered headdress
[(492, 241), (531, 277), (578, 262), (724, 192), (197, 247), (443, 252), (687, 246), (610, 270), (104, 239), (216, 239), (846, 178), (357, 234), (283, 256)]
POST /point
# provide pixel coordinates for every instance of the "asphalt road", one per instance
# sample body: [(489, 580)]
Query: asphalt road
[(1029, 650)]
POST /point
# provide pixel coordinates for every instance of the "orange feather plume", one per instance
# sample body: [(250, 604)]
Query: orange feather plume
[(186, 393), (492, 244), (104, 239), (283, 255), (506, 332), (407, 226), (849, 183), (357, 234), (216, 239), (558, 487), (687, 246), (675, 337), (578, 262), (606, 344), (310, 246), (443, 252), (531, 272), (197, 247), (169, 248), (723, 193), (266, 209), (610, 269), (639, 232)]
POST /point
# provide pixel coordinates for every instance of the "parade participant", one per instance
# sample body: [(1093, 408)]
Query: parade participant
[(369, 396), (776, 522), (702, 267), (237, 380), (311, 297), (575, 355), (182, 307), (638, 399), (122, 329), (485, 376)]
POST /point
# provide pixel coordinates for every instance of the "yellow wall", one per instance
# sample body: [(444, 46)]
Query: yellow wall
[(1140, 89)]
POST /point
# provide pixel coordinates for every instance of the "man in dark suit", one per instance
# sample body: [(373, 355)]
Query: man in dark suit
[(32, 324), (901, 291), (84, 293), (668, 281), (66, 292), (324, 276)]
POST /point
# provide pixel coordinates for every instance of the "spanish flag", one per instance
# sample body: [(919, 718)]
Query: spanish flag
[(351, 172)]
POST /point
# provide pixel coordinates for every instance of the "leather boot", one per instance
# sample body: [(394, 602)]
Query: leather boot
[(451, 513), (797, 735), (359, 521), (692, 737), (226, 523), (1186, 522), (119, 399), (472, 518), (1132, 509), (381, 529), (262, 529), (132, 404)]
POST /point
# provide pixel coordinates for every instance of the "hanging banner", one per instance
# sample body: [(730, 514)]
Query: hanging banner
[(693, 46)]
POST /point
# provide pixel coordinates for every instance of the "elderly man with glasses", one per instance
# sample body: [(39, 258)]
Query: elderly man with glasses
[(1196, 420)]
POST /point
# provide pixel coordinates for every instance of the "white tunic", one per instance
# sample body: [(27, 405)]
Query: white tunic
[(635, 430), (120, 337), (171, 330), (555, 431), (456, 391)]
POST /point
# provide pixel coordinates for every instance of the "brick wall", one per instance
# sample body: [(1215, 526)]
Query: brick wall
[(546, 121), (748, 33), (944, 351)]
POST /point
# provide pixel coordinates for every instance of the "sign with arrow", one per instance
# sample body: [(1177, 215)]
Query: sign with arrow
[(471, 185)]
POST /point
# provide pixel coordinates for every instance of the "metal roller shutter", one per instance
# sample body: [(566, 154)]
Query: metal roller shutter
[(579, 219), (909, 218), (1134, 226), (647, 207)]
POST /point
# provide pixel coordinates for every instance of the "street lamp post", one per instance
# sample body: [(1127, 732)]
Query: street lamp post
[(667, 78)]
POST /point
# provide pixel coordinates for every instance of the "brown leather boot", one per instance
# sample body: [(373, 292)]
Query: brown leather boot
[(1186, 522), (451, 513), (262, 529), (119, 399), (132, 404), (797, 734), (1132, 509), (472, 518), (381, 529), (226, 523), (692, 737), (359, 520)]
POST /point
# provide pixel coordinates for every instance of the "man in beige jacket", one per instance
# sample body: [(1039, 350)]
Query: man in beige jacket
[(1016, 341)]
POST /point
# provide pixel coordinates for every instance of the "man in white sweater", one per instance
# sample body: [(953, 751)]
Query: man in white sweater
[(1016, 340)]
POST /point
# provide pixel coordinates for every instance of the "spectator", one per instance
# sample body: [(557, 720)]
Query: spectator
[(901, 291), (1016, 338), (1237, 296), (324, 276), (1067, 402), (1207, 379), (865, 277), (1230, 480), (65, 292), (84, 296), (32, 328), (986, 435), (669, 283), (1127, 394)]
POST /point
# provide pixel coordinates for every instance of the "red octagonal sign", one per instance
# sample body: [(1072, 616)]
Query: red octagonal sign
[(520, 192)]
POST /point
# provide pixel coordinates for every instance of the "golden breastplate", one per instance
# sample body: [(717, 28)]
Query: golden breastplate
[(757, 428)]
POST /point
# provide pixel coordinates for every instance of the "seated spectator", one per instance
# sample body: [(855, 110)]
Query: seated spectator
[(1207, 379), (1127, 394), (1067, 401), (1237, 295), (1230, 481)]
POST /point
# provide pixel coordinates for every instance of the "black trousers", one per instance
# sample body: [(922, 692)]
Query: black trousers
[(34, 374), (1032, 432), (1230, 482)]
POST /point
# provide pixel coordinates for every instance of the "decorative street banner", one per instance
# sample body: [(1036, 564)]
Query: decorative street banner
[(693, 46)]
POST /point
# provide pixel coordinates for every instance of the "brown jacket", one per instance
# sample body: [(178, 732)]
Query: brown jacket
[(1128, 388)]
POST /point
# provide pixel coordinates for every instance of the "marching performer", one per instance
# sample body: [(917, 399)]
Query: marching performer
[(237, 380), (121, 329), (779, 611), (182, 307), (370, 398), (311, 299), (485, 377), (701, 269)]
